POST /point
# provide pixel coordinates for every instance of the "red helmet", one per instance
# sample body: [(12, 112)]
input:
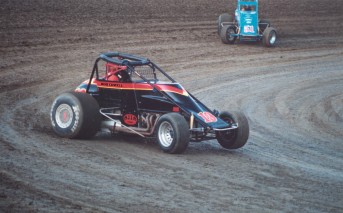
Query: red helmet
[(112, 71)]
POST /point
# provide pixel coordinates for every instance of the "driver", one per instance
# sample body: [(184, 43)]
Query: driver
[(115, 72)]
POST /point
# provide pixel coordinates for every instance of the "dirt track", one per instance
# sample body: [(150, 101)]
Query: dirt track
[(292, 95)]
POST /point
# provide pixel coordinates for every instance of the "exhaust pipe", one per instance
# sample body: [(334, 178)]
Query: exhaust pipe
[(117, 126)]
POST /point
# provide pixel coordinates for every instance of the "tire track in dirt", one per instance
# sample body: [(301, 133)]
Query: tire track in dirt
[(289, 102)]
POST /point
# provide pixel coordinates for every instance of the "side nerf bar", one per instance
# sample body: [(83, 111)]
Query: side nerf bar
[(233, 126), (201, 129)]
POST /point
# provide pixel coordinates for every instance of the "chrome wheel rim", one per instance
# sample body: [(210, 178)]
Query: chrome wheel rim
[(166, 134), (64, 116), (272, 38)]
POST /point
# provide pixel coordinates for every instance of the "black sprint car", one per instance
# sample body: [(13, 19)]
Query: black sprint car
[(131, 94)]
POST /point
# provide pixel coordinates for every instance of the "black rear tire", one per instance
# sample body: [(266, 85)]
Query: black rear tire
[(236, 138), (269, 37), (226, 34), (223, 18), (75, 115), (172, 133)]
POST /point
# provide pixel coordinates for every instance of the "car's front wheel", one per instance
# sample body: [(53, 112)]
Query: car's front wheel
[(172, 133), (269, 37), (227, 34), (236, 138), (75, 115)]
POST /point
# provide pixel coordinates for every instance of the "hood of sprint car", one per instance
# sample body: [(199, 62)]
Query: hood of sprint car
[(201, 113)]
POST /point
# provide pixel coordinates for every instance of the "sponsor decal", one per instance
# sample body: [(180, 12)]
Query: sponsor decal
[(248, 20), (130, 119), (176, 109), (83, 90), (249, 29), (208, 117), (107, 84)]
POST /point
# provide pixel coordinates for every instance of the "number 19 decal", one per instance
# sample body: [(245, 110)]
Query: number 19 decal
[(208, 117)]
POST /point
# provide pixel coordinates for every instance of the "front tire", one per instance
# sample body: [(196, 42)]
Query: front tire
[(269, 37), (172, 133), (226, 34), (236, 138), (75, 115)]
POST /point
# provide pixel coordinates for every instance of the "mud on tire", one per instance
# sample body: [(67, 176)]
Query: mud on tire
[(172, 133), (75, 115), (236, 138)]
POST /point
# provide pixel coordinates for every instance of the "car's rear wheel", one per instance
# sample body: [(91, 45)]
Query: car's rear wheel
[(172, 133), (75, 115), (269, 37), (223, 18), (236, 138), (226, 34)]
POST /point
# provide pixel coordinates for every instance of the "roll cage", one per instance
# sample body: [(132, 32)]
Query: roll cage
[(130, 61)]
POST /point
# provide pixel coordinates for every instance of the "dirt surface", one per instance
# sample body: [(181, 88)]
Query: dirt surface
[(291, 94)]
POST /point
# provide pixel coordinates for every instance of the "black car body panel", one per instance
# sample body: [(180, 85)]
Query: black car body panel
[(139, 90)]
